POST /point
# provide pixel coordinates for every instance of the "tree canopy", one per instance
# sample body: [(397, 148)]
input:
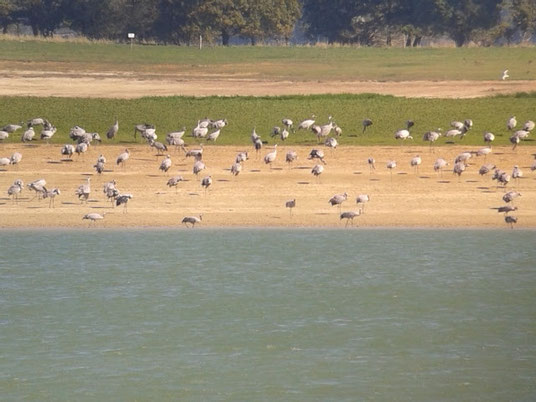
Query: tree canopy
[(364, 22)]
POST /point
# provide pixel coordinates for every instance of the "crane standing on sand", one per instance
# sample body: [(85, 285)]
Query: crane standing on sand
[(192, 220)]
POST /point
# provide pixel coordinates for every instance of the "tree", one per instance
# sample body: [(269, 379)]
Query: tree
[(460, 18), (222, 17), (44, 16), (522, 14)]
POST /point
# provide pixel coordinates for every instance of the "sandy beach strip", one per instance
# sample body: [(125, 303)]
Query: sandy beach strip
[(257, 196)]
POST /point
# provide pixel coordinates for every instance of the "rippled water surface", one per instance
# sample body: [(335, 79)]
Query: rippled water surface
[(248, 315)]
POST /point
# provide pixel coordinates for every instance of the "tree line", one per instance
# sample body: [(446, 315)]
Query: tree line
[(364, 22)]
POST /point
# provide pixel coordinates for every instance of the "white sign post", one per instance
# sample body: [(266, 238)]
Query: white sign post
[(131, 36)]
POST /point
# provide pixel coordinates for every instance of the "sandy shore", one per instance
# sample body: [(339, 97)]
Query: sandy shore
[(257, 196)]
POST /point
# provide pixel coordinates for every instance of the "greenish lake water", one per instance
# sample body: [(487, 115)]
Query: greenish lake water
[(266, 315)]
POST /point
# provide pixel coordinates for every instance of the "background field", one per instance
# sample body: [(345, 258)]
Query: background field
[(292, 63), (263, 113)]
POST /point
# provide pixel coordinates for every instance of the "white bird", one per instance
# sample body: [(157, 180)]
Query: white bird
[(165, 164), (5, 161), (123, 157), (4, 135), (287, 123), (349, 216), (219, 124), (307, 123), (284, 134), (47, 134), (505, 75), (270, 157), (511, 123), (192, 220), (92, 217), (403, 135)]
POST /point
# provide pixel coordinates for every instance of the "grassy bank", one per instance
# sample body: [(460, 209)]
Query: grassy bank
[(244, 113), (295, 63)]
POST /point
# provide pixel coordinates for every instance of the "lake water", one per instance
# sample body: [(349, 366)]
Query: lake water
[(265, 315)]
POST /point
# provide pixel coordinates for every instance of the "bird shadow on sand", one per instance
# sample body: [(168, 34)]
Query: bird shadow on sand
[(193, 194), (99, 207), (401, 173), (322, 213), (471, 181), (154, 175), (374, 179), (302, 167), (443, 181), (35, 207), (69, 203), (55, 162), (424, 177), (358, 172), (482, 188), (303, 182), (92, 201), (223, 180), (66, 160), (254, 170)]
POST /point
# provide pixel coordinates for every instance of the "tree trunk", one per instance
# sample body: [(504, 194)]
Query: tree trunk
[(417, 41), (253, 41), (35, 30), (388, 39), (225, 38), (408, 41)]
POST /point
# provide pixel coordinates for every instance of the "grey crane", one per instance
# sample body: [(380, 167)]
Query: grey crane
[(81, 148), (219, 124), (196, 153), (11, 128), (110, 190), (192, 220), (284, 134), (287, 123), (241, 157), (165, 165), (4, 135), (489, 137), (439, 164), (199, 131), (140, 128), (349, 216), (362, 199), (307, 123), (485, 169), (366, 123), (174, 182), (514, 139), (501, 177), (206, 182), (93, 217), (112, 131), (431, 137), (36, 122), (290, 157), (317, 170), (511, 196), (517, 173), (511, 123), (99, 166), (38, 186), (47, 134), (459, 168), (67, 150), (338, 130), (317, 154), (529, 125), (511, 220), (391, 165), (463, 157), (76, 132), (484, 152), (160, 148), (325, 129), (15, 159), (338, 199), (371, 164), (403, 135), (236, 168), (290, 205), (51, 195), (123, 157), (199, 165), (213, 136), (15, 189), (270, 157), (415, 162), (506, 209), (123, 199), (28, 135), (84, 190), (331, 143)]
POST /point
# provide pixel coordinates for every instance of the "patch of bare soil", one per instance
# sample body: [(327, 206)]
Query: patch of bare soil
[(135, 85)]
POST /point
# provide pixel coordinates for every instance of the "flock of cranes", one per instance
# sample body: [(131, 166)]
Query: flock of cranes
[(210, 130)]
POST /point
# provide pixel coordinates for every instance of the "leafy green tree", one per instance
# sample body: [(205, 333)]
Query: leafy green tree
[(223, 18), (7, 10), (44, 16)]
